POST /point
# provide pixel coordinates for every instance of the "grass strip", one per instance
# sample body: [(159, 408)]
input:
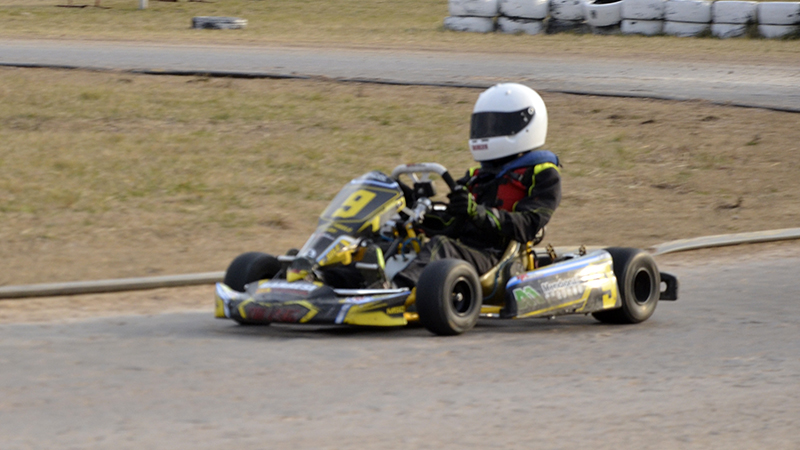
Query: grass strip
[(106, 175)]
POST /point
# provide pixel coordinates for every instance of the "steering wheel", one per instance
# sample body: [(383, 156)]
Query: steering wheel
[(420, 173)]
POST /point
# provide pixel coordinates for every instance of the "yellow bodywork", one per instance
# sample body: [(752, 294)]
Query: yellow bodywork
[(376, 315), (491, 309), (219, 309), (595, 276)]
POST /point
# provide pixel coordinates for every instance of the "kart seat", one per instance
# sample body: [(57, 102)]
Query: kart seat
[(489, 279)]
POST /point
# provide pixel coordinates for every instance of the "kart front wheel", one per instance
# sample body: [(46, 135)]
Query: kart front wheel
[(639, 284), (250, 267), (449, 297)]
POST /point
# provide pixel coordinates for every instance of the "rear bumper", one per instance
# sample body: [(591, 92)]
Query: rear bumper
[(669, 286)]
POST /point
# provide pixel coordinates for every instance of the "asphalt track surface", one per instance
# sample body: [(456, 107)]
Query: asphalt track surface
[(767, 86), (720, 368)]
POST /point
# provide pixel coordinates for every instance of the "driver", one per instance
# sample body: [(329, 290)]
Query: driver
[(510, 196)]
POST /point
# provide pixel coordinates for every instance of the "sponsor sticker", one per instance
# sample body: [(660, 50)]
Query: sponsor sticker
[(285, 286), (527, 298), (396, 310), (277, 313), (562, 289)]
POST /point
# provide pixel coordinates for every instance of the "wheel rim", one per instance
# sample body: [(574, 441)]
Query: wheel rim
[(462, 297), (642, 286)]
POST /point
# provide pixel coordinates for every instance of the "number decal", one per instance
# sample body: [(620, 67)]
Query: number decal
[(609, 295), (355, 203)]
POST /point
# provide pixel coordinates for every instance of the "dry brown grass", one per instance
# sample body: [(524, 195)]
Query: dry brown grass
[(107, 175)]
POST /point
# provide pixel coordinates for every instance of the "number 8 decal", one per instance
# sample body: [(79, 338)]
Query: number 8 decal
[(355, 203)]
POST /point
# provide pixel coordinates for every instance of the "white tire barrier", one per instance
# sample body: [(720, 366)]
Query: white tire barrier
[(602, 15), (685, 29), (643, 9), (728, 11), (694, 11), (473, 8), (778, 31), (470, 24), (568, 10), (218, 23), (644, 27), (516, 26), (683, 18), (728, 30), (525, 9), (562, 26), (778, 13)]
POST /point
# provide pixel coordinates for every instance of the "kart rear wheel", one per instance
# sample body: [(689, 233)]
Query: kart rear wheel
[(250, 267), (639, 284), (449, 297)]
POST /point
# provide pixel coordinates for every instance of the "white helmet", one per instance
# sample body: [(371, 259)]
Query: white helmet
[(507, 119)]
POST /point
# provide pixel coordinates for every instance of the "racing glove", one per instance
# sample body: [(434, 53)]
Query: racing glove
[(463, 204)]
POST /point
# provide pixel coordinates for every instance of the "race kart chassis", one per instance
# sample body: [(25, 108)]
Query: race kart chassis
[(577, 285), (615, 285)]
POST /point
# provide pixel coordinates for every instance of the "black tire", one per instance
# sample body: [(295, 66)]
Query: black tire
[(250, 267), (639, 284), (449, 297)]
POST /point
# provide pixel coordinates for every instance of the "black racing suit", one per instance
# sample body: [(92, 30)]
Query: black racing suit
[(517, 204)]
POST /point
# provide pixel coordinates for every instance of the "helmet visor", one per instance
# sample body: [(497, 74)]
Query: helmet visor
[(492, 124)]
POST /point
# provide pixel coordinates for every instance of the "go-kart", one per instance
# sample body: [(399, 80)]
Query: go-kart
[(373, 229)]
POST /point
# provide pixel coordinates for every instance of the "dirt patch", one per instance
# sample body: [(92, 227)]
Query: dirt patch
[(79, 307)]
